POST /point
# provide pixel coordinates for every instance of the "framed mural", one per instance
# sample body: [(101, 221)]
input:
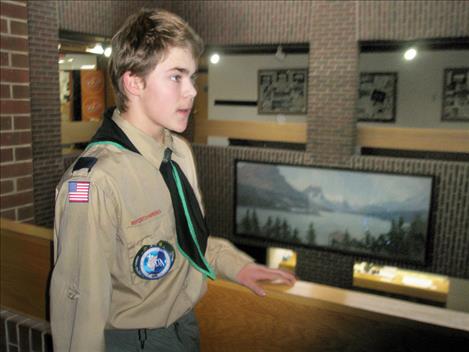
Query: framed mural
[(377, 94), (375, 214), (455, 101), (282, 91)]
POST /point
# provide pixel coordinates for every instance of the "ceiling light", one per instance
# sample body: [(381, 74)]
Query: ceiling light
[(98, 49), (215, 58), (410, 54), (87, 67), (108, 51), (61, 61), (70, 60)]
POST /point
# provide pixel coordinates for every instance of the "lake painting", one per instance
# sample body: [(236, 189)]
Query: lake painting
[(378, 214)]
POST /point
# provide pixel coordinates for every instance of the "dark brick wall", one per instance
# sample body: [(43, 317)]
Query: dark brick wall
[(449, 250), (96, 17), (247, 22), (16, 163), (395, 20), (44, 17), (19, 333), (333, 72), (45, 106)]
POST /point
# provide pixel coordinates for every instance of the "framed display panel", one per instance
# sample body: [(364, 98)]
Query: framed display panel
[(377, 97), (455, 102), (282, 91), (374, 214)]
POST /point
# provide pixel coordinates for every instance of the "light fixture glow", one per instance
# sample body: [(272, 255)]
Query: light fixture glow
[(108, 51), (70, 60), (61, 61), (87, 67), (215, 58), (98, 49), (410, 54)]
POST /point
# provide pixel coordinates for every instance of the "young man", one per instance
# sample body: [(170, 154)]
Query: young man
[(131, 245)]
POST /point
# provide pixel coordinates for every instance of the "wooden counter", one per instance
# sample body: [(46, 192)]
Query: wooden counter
[(438, 293), (25, 264), (304, 317)]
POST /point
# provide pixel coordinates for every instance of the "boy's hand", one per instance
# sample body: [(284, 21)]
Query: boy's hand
[(251, 273)]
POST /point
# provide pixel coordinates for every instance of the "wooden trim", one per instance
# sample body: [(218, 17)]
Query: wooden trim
[(78, 131), (253, 130), (26, 229), (403, 138), (426, 139)]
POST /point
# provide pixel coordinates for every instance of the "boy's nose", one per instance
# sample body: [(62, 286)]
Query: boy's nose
[(190, 90)]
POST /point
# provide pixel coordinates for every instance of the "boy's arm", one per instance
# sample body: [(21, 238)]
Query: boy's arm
[(225, 258), (236, 266), (231, 262), (84, 236)]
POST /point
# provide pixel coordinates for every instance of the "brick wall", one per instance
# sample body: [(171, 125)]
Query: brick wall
[(333, 72), (93, 17), (332, 29), (329, 27), (19, 333), (450, 236), (45, 106), (396, 20), (15, 114), (97, 17)]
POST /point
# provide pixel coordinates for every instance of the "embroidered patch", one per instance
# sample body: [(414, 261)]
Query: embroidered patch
[(152, 262), (78, 191), (145, 217)]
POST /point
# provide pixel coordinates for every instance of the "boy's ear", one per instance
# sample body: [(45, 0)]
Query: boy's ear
[(132, 83)]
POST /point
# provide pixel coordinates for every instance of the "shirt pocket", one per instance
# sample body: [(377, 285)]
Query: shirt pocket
[(150, 233)]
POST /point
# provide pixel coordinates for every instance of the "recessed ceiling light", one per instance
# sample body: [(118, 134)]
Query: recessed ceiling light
[(410, 54), (215, 58), (98, 49), (108, 51)]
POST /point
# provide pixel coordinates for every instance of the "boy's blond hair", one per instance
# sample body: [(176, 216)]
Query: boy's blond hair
[(141, 43)]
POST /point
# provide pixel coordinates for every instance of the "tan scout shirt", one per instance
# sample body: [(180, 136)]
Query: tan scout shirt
[(94, 286)]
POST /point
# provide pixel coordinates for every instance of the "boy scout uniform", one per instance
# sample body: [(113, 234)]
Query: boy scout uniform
[(111, 205)]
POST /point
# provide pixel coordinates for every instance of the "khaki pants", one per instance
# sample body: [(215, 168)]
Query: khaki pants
[(181, 336)]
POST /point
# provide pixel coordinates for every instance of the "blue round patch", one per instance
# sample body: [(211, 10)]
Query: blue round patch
[(152, 262)]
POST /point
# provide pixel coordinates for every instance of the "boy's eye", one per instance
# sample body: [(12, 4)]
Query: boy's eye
[(176, 78), (194, 78)]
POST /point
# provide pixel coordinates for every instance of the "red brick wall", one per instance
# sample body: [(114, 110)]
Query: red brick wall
[(16, 152)]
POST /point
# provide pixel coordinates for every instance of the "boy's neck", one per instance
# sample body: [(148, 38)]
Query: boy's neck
[(144, 124)]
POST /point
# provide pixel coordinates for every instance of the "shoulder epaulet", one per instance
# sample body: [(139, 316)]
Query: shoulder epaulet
[(85, 162)]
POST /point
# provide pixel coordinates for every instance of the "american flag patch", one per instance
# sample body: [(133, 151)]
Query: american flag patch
[(78, 191)]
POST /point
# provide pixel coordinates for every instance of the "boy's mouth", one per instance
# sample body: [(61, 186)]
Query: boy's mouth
[(185, 111)]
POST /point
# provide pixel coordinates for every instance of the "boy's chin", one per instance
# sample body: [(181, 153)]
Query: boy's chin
[(179, 129)]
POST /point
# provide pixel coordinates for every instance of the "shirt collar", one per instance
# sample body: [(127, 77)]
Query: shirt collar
[(150, 149)]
